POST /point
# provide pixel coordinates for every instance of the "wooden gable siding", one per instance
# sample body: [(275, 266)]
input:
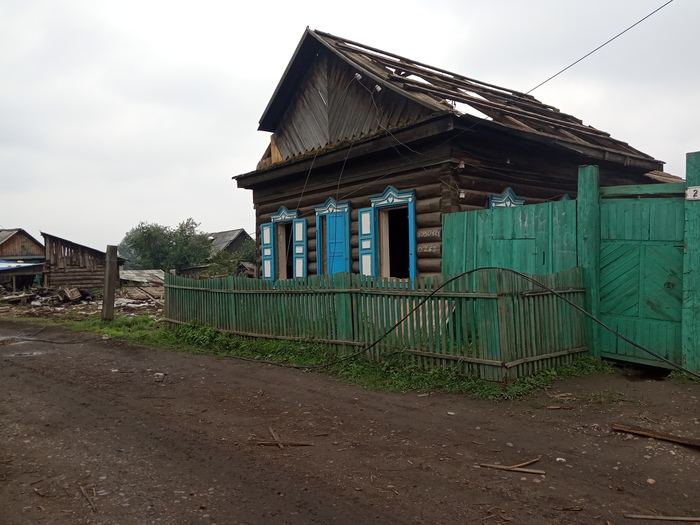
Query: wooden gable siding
[(70, 264), (332, 106), (21, 244)]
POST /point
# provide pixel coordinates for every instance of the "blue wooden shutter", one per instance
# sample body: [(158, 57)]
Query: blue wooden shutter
[(338, 242), (367, 227), (299, 247), (268, 249), (320, 226)]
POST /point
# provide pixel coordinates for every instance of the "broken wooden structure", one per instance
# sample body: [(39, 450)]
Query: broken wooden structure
[(69, 264)]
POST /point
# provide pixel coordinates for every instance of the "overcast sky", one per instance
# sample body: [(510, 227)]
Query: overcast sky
[(116, 112)]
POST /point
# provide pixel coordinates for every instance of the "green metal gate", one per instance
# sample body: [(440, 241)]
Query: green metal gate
[(641, 276)]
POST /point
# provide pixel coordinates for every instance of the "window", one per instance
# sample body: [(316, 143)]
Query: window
[(333, 237), (283, 246), (387, 235), (507, 199)]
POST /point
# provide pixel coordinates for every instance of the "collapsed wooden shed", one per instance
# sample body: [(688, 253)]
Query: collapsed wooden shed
[(71, 264), (370, 149)]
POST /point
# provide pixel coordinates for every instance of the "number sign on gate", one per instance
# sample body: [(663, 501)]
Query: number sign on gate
[(692, 193)]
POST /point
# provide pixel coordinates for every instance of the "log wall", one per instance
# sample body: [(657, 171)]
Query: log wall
[(448, 176)]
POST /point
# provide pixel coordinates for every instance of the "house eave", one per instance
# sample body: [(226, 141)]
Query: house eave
[(439, 124), (625, 158)]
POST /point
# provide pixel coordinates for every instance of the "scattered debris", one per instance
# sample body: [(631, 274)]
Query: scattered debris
[(70, 294), (55, 303), (656, 435)]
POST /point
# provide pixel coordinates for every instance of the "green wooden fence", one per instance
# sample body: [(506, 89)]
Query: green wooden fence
[(493, 324), (535, 239), (638, 248)]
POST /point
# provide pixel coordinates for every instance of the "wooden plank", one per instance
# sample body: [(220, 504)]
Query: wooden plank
[(690, 338), (644, 189), (656, 517), (588, 246), (620, 427)]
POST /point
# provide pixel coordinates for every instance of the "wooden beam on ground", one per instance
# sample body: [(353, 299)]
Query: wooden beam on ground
[(662, 518), (691, 442)]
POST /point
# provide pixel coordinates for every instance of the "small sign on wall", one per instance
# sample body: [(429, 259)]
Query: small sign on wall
[(692, 193)]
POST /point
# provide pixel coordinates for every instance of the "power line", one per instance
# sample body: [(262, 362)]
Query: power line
[(599, 47)]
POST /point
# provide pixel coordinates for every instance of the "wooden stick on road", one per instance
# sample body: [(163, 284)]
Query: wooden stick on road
[(514, 469), (691, 442), (662, 518), (92, 505)]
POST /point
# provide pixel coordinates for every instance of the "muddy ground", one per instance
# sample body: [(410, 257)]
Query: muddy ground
[(89, 434)]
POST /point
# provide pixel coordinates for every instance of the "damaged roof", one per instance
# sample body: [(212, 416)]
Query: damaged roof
[(156, 277), (445, 92), (221, 240)]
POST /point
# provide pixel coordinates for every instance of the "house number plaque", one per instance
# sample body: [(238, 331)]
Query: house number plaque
[(692, 193)]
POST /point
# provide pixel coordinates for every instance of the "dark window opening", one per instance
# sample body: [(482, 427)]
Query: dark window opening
[(324, 244), (396, 243)]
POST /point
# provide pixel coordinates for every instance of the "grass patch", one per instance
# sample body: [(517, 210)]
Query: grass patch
[(396, 372), (683, 377), (605, 397)]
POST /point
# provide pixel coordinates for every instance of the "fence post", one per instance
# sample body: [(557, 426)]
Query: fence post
[(111, 276), (588, 244), (691, 263)]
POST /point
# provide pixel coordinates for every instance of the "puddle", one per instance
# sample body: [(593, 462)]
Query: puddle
[(7, 341), (33, 353)]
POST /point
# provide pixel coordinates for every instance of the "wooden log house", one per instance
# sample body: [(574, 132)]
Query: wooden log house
[(370, 149), (17, 245), (21, 258)]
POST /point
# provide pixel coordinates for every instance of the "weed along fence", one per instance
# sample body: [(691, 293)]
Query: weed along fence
[(492, 324)]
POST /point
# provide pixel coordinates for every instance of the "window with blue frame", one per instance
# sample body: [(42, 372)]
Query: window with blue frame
[(387, 235), (283, 246), (332, 237), (507, 199)]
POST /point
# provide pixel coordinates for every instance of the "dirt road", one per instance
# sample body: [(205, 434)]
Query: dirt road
[(89, 435)]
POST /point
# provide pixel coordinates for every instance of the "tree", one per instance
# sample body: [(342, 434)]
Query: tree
[(149, 246)]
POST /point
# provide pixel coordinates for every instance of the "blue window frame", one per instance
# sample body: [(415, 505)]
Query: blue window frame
[(283, 245), (507, 199), (332, 237), (387, 235)]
